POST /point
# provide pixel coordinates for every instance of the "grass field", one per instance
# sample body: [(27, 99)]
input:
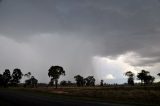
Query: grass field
[(132, 95)]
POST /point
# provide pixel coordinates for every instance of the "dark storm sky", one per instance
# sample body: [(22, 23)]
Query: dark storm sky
[(35, 34)]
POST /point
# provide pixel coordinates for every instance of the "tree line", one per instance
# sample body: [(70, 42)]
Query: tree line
[(8, 79), (144, 76), (54, 72)]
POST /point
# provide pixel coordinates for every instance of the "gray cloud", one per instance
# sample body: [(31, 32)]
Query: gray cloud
[(72, 32)]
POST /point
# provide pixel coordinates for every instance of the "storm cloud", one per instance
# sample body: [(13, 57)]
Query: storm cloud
[(37, 34)]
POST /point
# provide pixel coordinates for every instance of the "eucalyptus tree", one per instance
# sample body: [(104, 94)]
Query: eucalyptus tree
[(145, 77), (55, 72), (130, 76)]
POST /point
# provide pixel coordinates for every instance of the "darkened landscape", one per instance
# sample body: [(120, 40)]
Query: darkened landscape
[(79, 53), (83, 92)]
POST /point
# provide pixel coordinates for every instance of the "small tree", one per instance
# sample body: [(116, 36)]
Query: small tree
[(79, 80), (28, 75), (16, 76), (130, 77), (63, 83), (55, 72), (101, 83), (33, 81)]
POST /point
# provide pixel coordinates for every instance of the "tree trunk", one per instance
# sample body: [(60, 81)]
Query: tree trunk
[(56, 82)]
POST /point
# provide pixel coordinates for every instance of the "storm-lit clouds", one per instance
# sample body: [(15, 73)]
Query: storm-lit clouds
[(37, 34)]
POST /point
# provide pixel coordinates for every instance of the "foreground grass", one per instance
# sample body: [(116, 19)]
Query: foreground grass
[(129, 95)]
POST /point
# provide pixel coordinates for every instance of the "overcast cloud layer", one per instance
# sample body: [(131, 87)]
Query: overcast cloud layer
[(78, 34)]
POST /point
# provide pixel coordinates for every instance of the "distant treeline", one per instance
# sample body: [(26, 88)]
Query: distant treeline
[(54, 72)]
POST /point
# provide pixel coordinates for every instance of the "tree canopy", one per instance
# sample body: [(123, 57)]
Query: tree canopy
[(6, 77), (16, 76), (55, 72), (145, 77), (90, 81), (79, 80)]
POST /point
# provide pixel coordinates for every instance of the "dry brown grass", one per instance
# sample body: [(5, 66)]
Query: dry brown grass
[(147, 95)]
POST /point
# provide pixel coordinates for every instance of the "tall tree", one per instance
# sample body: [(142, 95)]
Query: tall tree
[(16, 76), (130, 77), (90, 81), (145, 77), (141, 76), (79, 80), (6, 77), (55, 72)]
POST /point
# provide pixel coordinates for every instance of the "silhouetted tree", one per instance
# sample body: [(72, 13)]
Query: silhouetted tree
[(90, 81), (141, 76), (1, 80), (6, 77), (33, 81), (101, 84), (130, 77), (55, 72), (149, 79), (79, 80), (145, 77), (16, 76), (27, 81)]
